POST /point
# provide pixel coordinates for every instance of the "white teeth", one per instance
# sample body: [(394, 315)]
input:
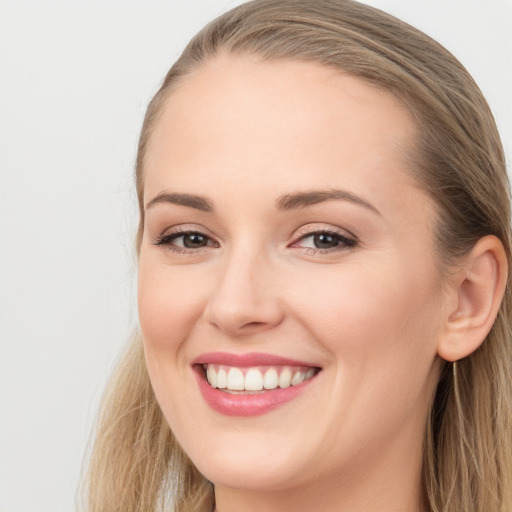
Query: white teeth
[(270, 380), (211, 376), (297, 378), (222, 378), (285, 378), (236, 379), (256, 379), (253, 380)]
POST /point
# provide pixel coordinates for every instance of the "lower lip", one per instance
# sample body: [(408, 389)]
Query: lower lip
[(248, 405)]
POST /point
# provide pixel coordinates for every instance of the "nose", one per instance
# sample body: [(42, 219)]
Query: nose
[(245, 300)]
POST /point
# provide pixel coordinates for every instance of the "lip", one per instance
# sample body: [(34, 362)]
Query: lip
[(247, 404), (248, 360)]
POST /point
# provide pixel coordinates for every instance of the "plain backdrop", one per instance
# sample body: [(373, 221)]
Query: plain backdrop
[(75, 78)]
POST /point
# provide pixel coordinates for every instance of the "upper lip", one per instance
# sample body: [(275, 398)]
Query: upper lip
[(248, 360)]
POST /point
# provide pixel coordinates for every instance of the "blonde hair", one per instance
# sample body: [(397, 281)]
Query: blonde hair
[(136, 464)]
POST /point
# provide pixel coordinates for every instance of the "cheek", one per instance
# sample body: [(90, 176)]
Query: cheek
[(169, 303), (379, 327), (371, 313)]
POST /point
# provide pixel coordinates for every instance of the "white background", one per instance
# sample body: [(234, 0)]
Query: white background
[(75, 77)]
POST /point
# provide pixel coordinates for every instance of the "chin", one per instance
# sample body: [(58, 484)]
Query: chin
[(250, 465), (248, 475)]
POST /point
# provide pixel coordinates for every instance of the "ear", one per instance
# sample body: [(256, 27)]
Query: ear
[(474, 297)]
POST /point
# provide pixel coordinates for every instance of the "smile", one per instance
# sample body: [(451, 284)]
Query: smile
[(235, 379), (251, 384)]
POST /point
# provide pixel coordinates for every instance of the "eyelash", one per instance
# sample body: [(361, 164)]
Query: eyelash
[(343, 241), (166, 240)]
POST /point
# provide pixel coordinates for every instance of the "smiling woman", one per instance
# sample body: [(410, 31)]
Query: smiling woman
[(323, 248)]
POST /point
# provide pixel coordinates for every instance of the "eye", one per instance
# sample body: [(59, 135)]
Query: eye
[(325, 241), (185, 241), (191, 240)]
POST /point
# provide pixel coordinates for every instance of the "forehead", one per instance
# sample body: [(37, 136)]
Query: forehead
[(236, 117)]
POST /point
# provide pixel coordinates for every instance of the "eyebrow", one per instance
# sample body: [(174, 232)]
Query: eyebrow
[(190, 200), (311, 197), (286, 202)]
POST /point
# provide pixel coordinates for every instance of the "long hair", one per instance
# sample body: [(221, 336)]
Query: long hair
[(458, 159)]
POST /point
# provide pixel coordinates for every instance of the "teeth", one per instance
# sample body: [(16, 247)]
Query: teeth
[(270, 380), (253, 380), (222, 378), (235, 379), (297, 378), (211, 375), (285, 379), (256, 379)]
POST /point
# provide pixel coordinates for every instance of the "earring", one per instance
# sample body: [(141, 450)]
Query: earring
[(456, 387)]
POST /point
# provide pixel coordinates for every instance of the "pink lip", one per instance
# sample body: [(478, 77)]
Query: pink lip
[(247, 405), (249, 359)]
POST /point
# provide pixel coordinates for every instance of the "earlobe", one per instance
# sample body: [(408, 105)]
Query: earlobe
[(477, 291)]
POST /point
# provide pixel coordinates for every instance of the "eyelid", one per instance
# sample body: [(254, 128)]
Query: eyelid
[(348, 239), (171, 233), (184, 229), (313, 228)]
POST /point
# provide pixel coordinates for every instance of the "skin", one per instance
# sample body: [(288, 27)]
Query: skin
[(242, 134)]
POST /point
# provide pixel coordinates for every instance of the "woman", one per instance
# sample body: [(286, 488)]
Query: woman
[(324, 245)]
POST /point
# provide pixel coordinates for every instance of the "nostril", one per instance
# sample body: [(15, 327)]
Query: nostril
[(254, 324), (242, 327)]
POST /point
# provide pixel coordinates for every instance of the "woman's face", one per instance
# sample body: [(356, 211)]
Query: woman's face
[(286, 244)]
